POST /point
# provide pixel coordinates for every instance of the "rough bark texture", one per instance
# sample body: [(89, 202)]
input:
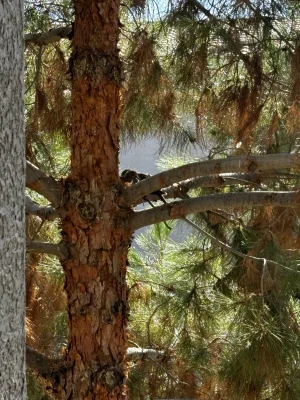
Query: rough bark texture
[(92, 225), (12, 204)]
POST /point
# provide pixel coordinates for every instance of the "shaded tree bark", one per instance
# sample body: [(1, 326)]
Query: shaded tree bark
[(52, 36), (44, 212), (60, 249), (12, 204), (45, 185)]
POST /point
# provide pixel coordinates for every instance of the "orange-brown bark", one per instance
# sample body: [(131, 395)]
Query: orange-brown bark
[(92, 227)]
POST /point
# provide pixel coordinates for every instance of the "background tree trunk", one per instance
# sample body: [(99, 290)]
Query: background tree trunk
[(98, 244), (12, 204)]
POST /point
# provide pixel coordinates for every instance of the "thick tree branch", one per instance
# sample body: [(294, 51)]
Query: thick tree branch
[(44, 365), (44, 212), (45, 185), (180, 209), (48, 367), (52, 36), (254, 179), (60, 250), (239, 164)]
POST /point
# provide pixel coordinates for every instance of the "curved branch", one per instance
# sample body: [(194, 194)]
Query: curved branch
[(60, 250), (180, 209), (216, 181), (213, 181), (45, 185), (239, 164), (44, 212), (52, 36)]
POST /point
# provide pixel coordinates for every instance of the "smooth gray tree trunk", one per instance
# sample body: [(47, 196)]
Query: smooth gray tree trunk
[(12, 199)]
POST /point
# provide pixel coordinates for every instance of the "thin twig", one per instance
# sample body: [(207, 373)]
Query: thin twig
[(262, 280), (233, 251)]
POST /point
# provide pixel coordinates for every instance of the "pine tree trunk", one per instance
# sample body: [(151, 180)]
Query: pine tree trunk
[(12, 204), (92, 227)]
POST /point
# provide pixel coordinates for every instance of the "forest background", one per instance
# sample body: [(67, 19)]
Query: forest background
[(215, 316)]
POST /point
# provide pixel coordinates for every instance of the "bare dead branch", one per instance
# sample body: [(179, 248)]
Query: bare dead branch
[(52, 36), (239, 164), (45, 185), (44, 212), (60, 250), (140, 354), (180, 209)]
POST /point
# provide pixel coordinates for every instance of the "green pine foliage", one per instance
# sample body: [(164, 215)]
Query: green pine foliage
[(242, 342)]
